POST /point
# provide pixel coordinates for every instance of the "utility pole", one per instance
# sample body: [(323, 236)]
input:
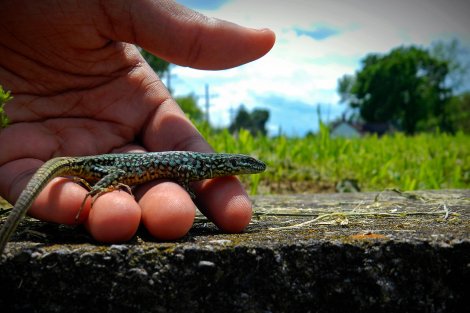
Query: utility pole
[(232, 114), (208, 96), (207, 103), (168, 79)]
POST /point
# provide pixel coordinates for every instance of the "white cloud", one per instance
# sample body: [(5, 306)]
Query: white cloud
[(304, 70)]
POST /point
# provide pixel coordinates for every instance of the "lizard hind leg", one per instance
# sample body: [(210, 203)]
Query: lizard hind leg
[(108, 183), (82, 182)]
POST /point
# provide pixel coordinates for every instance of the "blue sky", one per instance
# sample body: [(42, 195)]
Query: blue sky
[(317, 43)]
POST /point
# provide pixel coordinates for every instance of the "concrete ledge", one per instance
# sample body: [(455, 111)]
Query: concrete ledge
[(341, 252)]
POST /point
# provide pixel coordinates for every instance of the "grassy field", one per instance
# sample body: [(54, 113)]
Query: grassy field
[(318, 163)]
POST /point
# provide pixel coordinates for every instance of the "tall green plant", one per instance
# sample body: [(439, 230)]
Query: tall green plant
[(4, 97)]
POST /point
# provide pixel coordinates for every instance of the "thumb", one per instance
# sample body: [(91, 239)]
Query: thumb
[(185, 37)]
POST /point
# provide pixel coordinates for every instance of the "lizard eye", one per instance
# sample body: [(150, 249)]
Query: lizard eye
[(234, 163)]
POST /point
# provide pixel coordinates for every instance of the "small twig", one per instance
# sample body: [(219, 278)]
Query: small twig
[(35, 233), (305, 223), (446, 210), (407, 195)]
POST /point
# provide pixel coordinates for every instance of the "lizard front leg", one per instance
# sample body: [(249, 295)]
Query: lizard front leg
[(109, 183)]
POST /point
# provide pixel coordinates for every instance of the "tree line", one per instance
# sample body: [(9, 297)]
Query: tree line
[(412, 88), (415, 89)]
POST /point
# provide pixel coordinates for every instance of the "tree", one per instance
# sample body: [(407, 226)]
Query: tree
[(160, 66), (405, 87), (259, 118), (345, 85), (459, 112), (254, 122), (456, 57), (189, 105)]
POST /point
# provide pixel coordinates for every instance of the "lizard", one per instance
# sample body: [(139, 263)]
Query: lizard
[(107, 172)]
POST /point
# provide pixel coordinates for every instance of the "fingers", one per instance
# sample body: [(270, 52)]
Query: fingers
[(185, 37), (59, 203), (115, 217), (224, 201), (167, 210)]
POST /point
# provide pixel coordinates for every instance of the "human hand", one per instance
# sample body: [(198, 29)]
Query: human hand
[(81, 87)]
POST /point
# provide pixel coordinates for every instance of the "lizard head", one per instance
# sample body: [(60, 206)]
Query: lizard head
[(234, 164)]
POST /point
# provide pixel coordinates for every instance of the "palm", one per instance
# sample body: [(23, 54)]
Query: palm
[(87, 106)]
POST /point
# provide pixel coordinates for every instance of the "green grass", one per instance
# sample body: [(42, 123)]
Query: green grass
[(4, 97), (317, 163)]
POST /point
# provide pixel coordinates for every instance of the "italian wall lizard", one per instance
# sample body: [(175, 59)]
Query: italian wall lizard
[(108, 172)]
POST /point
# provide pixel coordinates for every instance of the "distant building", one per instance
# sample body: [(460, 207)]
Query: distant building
[(345, 129), (378, 128)]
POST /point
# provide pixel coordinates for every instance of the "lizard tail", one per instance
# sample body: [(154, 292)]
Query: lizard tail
[(52, 168)]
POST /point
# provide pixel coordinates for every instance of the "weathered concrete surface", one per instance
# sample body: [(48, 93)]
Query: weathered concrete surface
[(339, 253)]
